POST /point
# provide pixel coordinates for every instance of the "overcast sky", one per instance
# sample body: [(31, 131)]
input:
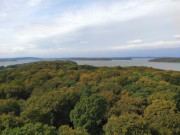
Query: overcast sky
[(89, 28)]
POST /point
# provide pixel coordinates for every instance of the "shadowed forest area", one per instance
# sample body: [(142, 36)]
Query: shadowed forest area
[(63, 98)]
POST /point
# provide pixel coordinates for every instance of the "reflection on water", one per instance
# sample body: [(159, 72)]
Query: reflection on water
[(123, 63)]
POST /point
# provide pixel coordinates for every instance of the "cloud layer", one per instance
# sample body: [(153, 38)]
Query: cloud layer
[(43, 27)]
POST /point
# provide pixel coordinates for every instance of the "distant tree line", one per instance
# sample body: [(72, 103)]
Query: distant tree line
[(165, 60)]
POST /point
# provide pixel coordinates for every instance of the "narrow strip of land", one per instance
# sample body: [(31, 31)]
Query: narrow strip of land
[(165, 60)]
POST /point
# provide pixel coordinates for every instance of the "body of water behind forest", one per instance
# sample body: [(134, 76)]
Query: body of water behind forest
[(133, 62), (123, 63)]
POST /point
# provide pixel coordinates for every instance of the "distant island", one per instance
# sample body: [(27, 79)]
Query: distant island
[(165, 60), (69, 59), (104, 59), (86, 58), (19, 58)]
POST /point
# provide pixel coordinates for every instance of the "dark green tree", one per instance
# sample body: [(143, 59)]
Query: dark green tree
[(52, 108), (175, 79), (89, 113), (9, 105)]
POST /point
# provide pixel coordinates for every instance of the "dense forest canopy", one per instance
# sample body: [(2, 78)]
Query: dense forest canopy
[(63, 98)]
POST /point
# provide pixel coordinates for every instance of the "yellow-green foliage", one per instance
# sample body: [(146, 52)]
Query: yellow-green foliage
[(126, 124), (31, 129), (9, 121), (127, 104), (163, 95), (40, 95), (163, 117), (145, 82), (66, 130), (110, 97)]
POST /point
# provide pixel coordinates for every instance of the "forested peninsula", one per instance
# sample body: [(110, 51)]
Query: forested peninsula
[(165, 60), (63, 98)]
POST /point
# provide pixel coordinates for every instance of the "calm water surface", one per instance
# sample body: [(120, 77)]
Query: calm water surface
[(123, 63), (133, 62), (7, 63)]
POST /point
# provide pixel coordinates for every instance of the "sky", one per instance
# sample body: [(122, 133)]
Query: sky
[(89, 28)]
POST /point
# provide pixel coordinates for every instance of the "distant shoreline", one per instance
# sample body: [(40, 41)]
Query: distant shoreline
[(100, 63), (73, 58), (172, 60)]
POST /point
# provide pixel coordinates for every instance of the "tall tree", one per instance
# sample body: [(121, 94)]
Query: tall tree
[(89, 113)]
